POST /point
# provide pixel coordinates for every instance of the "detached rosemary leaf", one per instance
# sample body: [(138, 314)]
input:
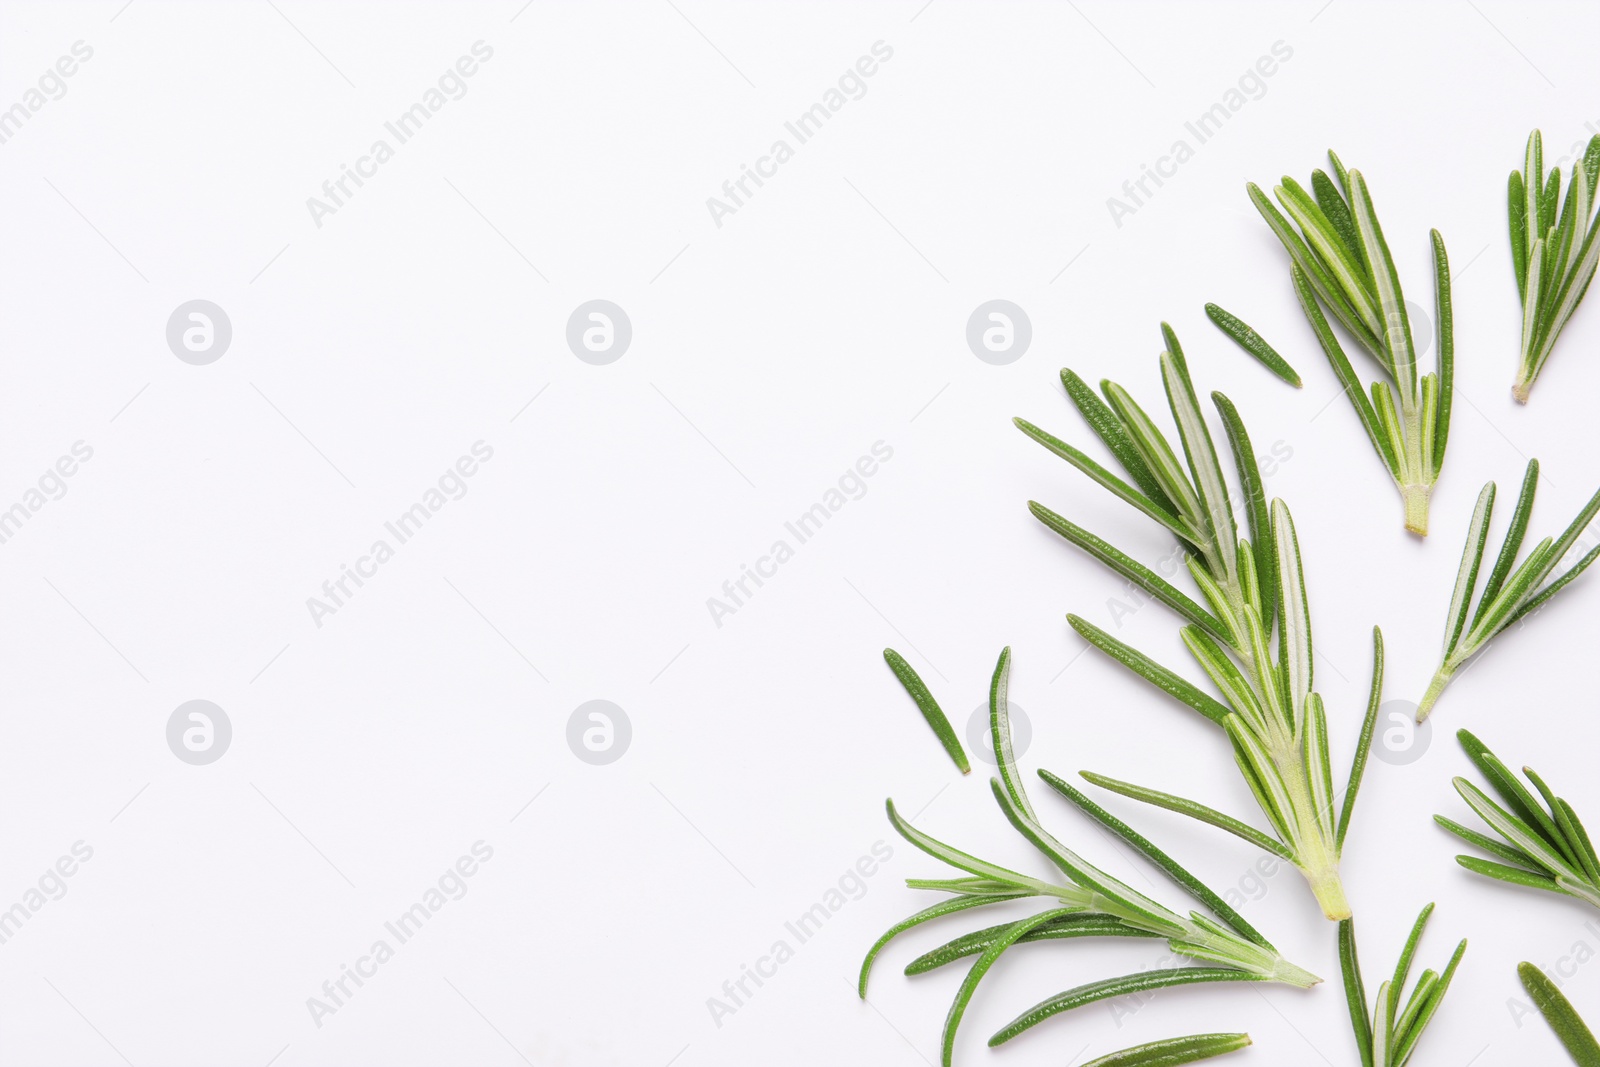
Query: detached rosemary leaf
[(1173, 1051), (1560, 1014), (1090, 992), (929, 707), (1253, 343)]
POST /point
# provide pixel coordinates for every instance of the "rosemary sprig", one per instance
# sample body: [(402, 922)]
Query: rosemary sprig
[(1509, 595), (1087, 901), (1340, 258), (1542, 846), (1387, 1035), (1553, 252), (1272, 716), (1561, 1015)]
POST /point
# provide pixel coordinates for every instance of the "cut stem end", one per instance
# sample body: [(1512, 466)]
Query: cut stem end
[(1415, 499), (1329, 891), (1435, 690)]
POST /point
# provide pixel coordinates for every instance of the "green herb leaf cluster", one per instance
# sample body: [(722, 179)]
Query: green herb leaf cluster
[(1553, 250), (1542, 843), (1388, 1031), (1512, 591), (1274, 719), (1086, 902), (1339, 258)]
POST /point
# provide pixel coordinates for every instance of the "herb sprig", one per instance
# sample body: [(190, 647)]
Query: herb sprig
[(1089, 903), (1543, 845), (1388, 1032), (1553, 252), (1339, 257), (1508, 596), (1274, 719)]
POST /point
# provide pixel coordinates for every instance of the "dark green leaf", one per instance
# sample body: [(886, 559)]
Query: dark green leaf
[(1562, 1017), (1091, 992), (1253, 343), (1151, 671)]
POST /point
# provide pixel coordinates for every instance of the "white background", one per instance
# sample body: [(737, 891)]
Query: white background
[(768, 354)]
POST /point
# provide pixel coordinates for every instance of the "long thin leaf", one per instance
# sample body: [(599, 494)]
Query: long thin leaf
[(1467, 573), (1173, 1051), (1253, 343), (1255, 504), (1344, 372), (1000, 732), (929, 707), (1106, 426), (1358, 764), (1130, 568), (1091, 992), (1515, 856), (1355, 991), (1070, 926), (1193, 809), (943, 908), (1202, 456), (1294, 639), (1110, 481), (969, 985), (1173, 685), (1444, 320), (956, 858), (1513, 539), (1391, 302), (1562, 1017)]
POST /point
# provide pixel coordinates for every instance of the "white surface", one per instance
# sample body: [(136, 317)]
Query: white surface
[(793, 337)]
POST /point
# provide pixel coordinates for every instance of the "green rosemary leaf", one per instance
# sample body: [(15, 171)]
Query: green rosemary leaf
[(1554, 587), (1468, 573), (1519, 231), (1000, 732), (1560, 1014), (1507, 873), (1068, 926), (1253, 343), (1106, 426), (1386, 280), (1174, 870), (1444, 318), (1580, 839), (1156, 451), (1515, 855), (1255, 502), (1130, 568), (1261, 774), (1355, 993), (1173, 1051), (1193, 809), (1424, 1005), (1402, 968), (1344, 372), (1110, 481), (969, 985), (1202, 456), (1517, 798), (1513, 540), (1151, 671), (1340, 172), (1294, 642), (1358, 764), (1571, 534), (1318, 767), (1337, 210), (929, 707), (1091, 992), (976, 886), (944, 907), (956, 858), (1514, 830)]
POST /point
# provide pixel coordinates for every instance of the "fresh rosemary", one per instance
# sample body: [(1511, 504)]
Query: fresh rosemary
[(1542, 846), (1553, 250), (1274, 719), (1340, 258), (1560, 1014), (1087, 901), (1508, 596), (1388, 1035)]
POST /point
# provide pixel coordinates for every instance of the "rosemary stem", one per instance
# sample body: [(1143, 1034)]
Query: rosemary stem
[(1441, 679), (1415, 499)]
